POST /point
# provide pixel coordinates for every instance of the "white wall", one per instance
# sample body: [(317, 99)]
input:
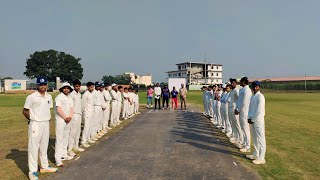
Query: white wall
[(176, 82)]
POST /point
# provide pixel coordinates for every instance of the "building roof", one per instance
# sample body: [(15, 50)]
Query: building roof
[(177, 71), (284, 79), (199, 63)]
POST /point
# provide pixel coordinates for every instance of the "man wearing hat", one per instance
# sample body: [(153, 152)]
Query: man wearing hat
[(37, 111), (242, 109), (88, 112), (256, 120), (97, 112), (63, 114)]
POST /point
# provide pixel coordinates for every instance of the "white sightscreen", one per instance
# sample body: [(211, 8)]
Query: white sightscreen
[(176, 82)]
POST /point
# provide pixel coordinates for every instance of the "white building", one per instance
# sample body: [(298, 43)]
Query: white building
[(198, 72), (140, 79)]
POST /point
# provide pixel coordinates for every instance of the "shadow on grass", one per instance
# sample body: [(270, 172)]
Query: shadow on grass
[(21, 157), (198, 131)]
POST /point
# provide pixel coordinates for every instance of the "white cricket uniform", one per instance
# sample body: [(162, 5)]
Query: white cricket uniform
[(218, 109), (131, 95), (210, 96), (234, 119), (75, 124), (62, 128), (243, 109), (106, 113), (256, 114), (88, 112), (136, 104), (114, 107), (39, 108), (204, 99), (226, 100), (119, 105), (125, 112), (97, 112)]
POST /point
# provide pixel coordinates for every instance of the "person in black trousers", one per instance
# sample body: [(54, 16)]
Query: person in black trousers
[(165, 96), (158, 92)]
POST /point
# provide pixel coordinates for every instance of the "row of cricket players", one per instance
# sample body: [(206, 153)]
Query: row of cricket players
[(235, 111), (100, 107)]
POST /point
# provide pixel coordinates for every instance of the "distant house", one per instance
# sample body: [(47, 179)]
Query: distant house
[(198, 73), (140, 79)]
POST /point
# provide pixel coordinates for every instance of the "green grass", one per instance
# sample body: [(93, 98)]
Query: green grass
[(292, 132)]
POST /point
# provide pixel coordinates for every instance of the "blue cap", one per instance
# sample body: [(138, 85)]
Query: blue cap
[(256, 83), (97, 84), (41, 80)]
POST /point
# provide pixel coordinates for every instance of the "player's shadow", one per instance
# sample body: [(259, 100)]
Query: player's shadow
[(194, 128), (20, 158)]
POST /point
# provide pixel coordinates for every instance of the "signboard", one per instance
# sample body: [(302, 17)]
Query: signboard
[(15, 85)]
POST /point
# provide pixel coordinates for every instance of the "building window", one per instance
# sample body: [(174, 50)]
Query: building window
[(217, 67), (212, 67), (217, 74), (179, 74), (212, 74)]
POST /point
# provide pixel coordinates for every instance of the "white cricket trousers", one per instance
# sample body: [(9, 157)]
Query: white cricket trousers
[(97, 123), (218, 114), (62, 137), (243, 118), (106, 116), (259, 138), (75, 131), (114, 112), (119, 111), (225, 115), (88, 125), (235, 125), (125, 111), (136, 107), (38, 142)]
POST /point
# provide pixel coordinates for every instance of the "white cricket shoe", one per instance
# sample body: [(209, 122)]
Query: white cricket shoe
[(251, 157), (86, 145), (48, 170), (71, 153), (244, 150), (91, 141), (258, 161), (33, 176), (67, 158), (79, 149)]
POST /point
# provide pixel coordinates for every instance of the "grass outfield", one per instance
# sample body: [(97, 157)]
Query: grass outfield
[(292, 130)]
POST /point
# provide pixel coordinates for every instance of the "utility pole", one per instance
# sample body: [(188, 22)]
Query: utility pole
[(305, 81)]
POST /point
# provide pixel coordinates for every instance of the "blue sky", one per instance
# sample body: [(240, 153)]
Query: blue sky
[(249, 37)]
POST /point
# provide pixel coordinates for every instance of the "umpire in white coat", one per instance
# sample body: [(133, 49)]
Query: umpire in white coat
[(37, 111), (256, 119)]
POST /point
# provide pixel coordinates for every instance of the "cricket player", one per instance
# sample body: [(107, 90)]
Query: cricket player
[(97, 112), (75, 124), (218, 95), (120, 99), (64, 113), (237, 137), (101, 127), (132, 101), (88, 115), (106, 113), (242, 110), (136, 104), (125, 112), (114, 105), (256, 121), (227, 100), (37, 111)]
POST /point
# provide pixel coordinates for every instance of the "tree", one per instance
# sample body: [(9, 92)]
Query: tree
[(121, 79), (52, 64)]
